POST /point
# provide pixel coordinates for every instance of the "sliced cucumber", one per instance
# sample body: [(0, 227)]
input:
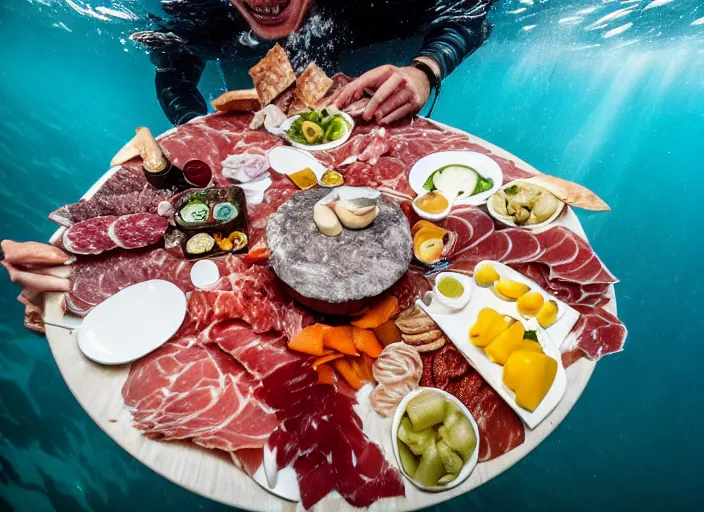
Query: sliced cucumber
[(408, 460), (450, 459), (417, 442), (426, 409), (446, 479), (460, 437), (430, 468)]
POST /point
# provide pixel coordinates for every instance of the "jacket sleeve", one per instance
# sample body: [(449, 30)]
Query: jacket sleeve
[(458, 30), (177, 74)]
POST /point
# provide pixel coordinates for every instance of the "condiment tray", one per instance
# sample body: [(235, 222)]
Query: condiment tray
[(456, 327)]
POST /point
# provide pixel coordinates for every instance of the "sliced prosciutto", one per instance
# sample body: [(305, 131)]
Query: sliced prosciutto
[(185, 390), (260, 354), (567, 255)]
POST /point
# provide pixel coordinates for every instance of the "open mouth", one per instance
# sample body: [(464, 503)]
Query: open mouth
[(272, 13)]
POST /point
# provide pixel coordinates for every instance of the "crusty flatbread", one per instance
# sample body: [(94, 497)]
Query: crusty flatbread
[(570, 193), (246, 100), (312, 86), (272, 75)]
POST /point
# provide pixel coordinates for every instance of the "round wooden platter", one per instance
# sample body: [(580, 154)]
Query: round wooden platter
[(98, 389)]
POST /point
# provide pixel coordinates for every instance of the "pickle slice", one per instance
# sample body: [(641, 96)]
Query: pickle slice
[(450, 459), (460, 437), (417, 442), (408, 460), (446, 479), (426, 410), (430, 468)]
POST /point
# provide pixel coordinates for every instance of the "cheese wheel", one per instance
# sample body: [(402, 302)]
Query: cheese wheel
[(326, 220)]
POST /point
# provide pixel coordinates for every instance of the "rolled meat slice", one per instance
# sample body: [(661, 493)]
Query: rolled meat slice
[(37, 282), (33, 253)]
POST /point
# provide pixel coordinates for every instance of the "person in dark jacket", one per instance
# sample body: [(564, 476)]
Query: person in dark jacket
[(238, 33)]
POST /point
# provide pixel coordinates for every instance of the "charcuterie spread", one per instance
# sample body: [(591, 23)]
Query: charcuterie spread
[(451, 293)]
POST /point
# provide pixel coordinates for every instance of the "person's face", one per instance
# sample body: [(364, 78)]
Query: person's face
[(273, 19)]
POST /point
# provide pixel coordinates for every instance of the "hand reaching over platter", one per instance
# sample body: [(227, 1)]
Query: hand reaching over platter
[(398, 92)]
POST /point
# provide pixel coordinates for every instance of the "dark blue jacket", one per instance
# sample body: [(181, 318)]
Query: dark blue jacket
[(194, 32)]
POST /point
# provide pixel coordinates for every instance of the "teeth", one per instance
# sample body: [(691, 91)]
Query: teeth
[(273, 11)]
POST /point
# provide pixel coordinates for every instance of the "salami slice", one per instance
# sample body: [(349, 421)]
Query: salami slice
[(89, 236), (138, 230)]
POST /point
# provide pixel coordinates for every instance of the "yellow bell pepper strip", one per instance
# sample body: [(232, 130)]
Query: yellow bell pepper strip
[(509, 340), (530, 375), (488, 326)]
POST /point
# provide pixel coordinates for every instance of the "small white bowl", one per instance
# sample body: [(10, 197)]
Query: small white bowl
[(319, 147), (509, 222), (461, 301), (468, 466), (483, 164), (431, 216)]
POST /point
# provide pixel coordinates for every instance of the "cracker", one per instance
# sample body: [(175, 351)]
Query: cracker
[(312, 86), (272, 75)]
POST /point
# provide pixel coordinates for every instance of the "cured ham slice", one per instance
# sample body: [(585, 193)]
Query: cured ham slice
[(410, 287), (125, 192), (321, 436), (598, 332), (253, 295), (260, 354), (568, 256), (101, 234), (185, 390)]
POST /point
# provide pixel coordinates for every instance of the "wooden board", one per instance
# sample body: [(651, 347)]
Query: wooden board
[(98, 390)]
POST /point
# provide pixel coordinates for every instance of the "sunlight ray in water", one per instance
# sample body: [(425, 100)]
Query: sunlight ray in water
[(618, 30)]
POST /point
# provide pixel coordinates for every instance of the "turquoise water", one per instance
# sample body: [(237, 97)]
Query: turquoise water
[(621, 112)]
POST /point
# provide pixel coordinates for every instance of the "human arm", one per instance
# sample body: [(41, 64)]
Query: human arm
[(177, 74), (456, 31)]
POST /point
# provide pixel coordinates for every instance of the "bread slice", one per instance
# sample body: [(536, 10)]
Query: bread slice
[(272, 75), (246, 100), (569, 192)]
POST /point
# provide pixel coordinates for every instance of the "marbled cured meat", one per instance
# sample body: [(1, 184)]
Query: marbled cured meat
[(248, 292), (260, 354), (568, 256), (598, 332), (186, 390), (126, 191), (137, 230), (102, 234), (90, 236)]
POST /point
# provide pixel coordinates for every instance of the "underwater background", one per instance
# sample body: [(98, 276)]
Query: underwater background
[(607, 93)]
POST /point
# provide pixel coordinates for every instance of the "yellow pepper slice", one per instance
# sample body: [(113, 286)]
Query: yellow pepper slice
[(509, 340), (530, 375)]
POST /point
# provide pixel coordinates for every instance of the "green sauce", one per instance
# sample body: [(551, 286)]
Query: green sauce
[(450, 287)]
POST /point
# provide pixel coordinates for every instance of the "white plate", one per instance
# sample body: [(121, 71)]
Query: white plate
[(456, 326), (287, 160), (132, 323), (485, 166), (532, 227), (468, 466), (319, 147)]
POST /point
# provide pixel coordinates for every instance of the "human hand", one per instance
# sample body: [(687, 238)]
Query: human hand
[(397, 92)]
